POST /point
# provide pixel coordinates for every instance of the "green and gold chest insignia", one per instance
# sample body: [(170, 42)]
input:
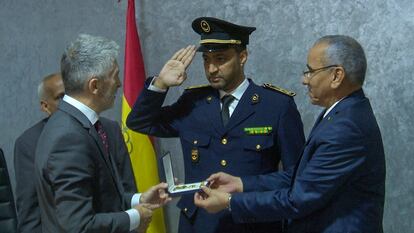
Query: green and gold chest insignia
[(258, 130)]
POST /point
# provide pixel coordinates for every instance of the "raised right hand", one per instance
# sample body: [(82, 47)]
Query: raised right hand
[(174, 71)]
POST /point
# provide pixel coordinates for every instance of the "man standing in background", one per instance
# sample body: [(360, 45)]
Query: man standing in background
[(50, 92), (231, 125)]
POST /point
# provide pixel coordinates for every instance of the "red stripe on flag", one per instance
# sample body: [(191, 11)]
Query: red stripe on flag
[(134, 77)]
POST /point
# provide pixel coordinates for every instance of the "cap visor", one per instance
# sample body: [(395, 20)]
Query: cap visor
[(212, 47)]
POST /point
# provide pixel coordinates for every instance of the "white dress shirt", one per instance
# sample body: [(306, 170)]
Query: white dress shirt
[(330, 108), (237, 94)]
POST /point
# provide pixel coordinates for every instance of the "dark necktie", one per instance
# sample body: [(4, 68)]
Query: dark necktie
[(102, 134), (225, 114)]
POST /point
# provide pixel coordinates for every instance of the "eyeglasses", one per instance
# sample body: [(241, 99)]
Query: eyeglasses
[(308, 74)]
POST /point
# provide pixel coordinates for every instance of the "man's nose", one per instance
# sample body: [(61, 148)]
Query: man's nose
[(212, 68), (305, 81)]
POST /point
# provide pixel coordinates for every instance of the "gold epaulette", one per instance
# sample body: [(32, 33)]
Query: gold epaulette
[(284, 91), (197, 87)]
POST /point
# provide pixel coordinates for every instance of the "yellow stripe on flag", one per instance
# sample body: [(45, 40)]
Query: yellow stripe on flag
[(144, 165)]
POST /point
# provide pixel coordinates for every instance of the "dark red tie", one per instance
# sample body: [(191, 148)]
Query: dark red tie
[(102, 134)]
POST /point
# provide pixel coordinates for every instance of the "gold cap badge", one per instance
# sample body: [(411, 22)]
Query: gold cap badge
[(205, 26)]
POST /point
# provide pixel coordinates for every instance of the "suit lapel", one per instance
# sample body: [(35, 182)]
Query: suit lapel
[(322, 123), (343, 104), (315, 126), (109, 129), (245, 107), (84, 121), (98, 141), (109, 161)]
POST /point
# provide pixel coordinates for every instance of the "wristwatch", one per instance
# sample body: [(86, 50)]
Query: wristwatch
[(229, 201)]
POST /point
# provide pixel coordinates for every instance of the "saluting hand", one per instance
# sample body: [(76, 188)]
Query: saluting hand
[(174, 71)]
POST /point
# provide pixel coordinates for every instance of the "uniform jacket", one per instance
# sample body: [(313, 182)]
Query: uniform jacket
[(264, 128), (338, 183), (78, 188)]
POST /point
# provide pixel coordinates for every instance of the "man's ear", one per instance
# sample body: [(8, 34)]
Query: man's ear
[(243, 57), (93, 85), (44, 106), (338, 77)]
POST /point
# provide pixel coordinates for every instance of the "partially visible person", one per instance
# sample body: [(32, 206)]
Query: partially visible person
[(77, 181), (231, 125), (338, 185), (50, 92)]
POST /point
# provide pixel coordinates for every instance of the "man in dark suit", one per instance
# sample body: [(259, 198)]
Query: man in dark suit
[(50, 91), (231, 125), (77, 180), (338, 184)]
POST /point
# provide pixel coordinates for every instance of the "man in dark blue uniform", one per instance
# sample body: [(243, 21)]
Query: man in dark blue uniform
[(230, 125)]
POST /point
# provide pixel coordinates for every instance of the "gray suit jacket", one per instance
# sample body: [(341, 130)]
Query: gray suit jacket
[(24, 152), (78, 188)]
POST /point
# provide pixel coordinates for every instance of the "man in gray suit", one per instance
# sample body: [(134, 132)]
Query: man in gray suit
[(78, 184), (50, 92)]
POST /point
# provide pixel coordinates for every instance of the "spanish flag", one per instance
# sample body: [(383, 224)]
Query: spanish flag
[(140, 147)]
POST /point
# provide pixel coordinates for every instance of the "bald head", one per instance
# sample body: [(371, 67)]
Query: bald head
[(50, 91)]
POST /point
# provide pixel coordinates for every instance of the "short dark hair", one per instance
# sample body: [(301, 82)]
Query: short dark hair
[(238, 48), (347, 52)]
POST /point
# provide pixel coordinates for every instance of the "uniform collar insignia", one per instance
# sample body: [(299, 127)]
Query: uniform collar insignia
[(255, 98), (209, 98)]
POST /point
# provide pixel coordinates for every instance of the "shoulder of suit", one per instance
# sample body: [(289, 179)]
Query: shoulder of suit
[(278, 89), (198, 87), (28, 138)]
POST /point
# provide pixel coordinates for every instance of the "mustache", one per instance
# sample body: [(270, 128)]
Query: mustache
[(214, 76)]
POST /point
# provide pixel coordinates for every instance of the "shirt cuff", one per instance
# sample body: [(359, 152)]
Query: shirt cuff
[(134, 219), (135, 199), (151, 87)]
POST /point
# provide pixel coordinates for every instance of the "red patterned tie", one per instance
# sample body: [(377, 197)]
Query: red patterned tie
[(102, 134)]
